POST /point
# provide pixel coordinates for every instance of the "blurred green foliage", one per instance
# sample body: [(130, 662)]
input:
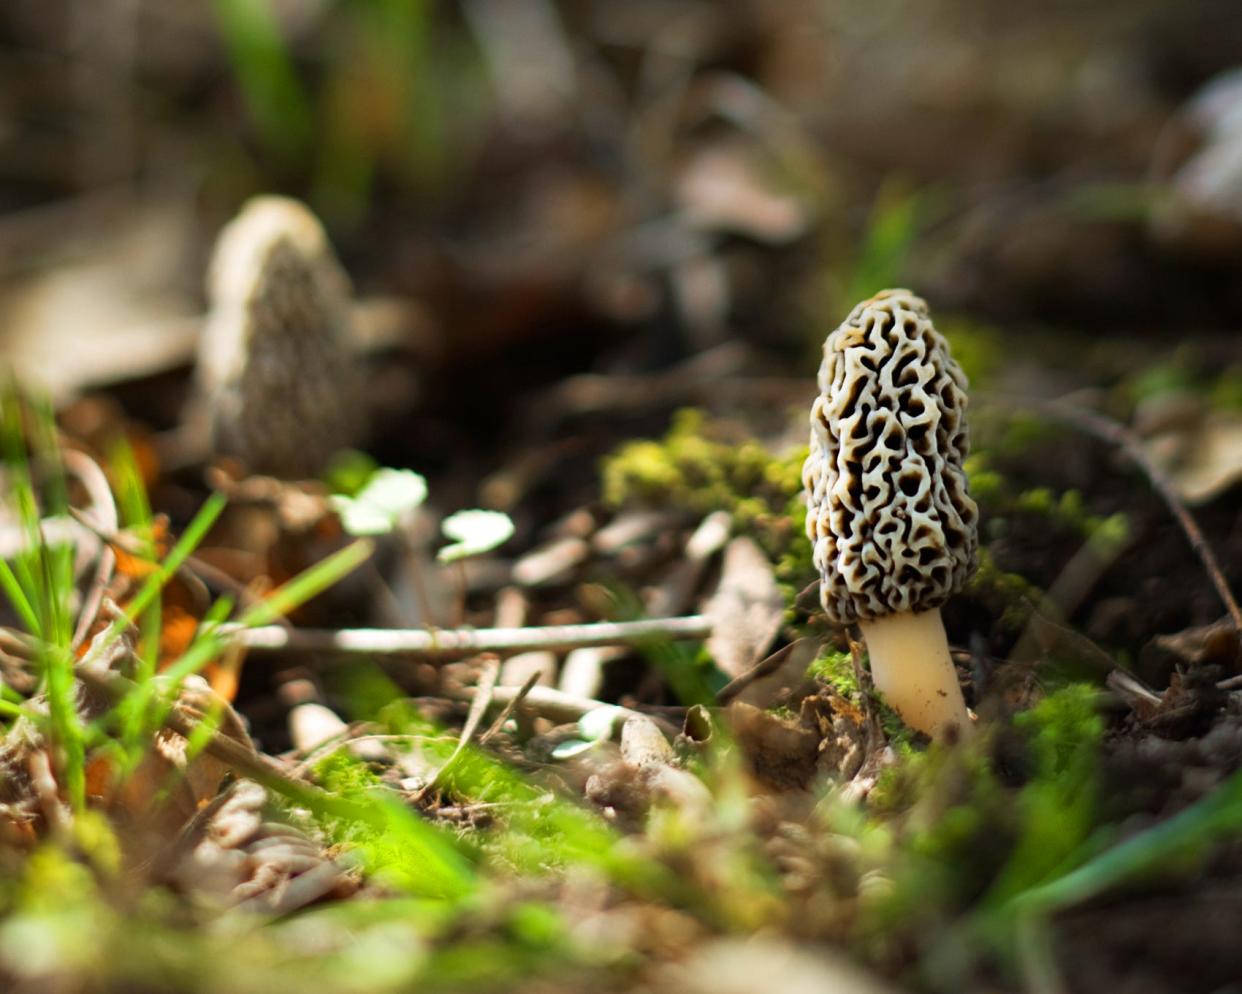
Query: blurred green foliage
[(897, 217), (1186, 372), (391, 93), (970, 828)]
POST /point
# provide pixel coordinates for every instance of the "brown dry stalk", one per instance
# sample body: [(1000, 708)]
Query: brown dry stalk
[(1114, 433), (478, 708), (761, 669), (508, 709), (242, 759), (103, 517)]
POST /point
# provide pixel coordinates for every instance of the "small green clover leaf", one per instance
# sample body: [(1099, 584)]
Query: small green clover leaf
[(389, 496), (571, 748), (595, 727), (474, 532), (598, 723)]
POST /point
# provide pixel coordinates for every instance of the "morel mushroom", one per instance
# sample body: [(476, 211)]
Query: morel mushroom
[(278, 384), (889, 515)]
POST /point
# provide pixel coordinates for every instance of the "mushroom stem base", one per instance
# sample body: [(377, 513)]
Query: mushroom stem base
[(910, 666)]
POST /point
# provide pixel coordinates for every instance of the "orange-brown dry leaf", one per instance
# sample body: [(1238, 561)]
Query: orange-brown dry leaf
[(100, 777), (177, 628), (181, 611), (146, 458), (169, 785), (178, 625), (223, 675), (137, 567)]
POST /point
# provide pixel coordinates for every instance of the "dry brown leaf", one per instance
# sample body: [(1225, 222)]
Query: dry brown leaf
[(311, 724), (169, 785), (645, 774), (782, 752), (787, 680), (1203, 645), (122, 287), (725, 187), (1212, 461), (747, 609)]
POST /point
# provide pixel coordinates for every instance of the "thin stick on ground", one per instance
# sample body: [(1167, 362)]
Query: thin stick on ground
[(761, 669), (1108, 430), (102, 517), (349, 737), (478, 708), (192, 569), (448, 643), (508, 709), (255, 765), (547, 702)]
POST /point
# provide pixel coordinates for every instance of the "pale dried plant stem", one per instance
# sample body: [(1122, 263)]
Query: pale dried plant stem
[(240, 756), (510, 706), (103, 517), (456, 642), (479, 704), (417, 573), (911, 667), (547, 702)]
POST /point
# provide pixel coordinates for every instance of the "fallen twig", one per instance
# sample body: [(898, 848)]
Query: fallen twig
[(495, 727), (547, 701), (761, 669), (346, 739), (1115, 433), (478, 708), (103, 517), (467, 641), (193, 570), (246, 761)]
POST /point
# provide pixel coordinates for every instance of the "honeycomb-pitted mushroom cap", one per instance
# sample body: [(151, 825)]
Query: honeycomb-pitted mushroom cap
[(888, 511), (276, 371)]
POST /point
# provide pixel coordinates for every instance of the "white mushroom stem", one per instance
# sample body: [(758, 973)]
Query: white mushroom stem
[(910, 666)]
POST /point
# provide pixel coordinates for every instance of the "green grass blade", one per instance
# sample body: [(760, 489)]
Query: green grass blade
[(207, 643), (18, 599), (177, 556), (131, 498), (1217, 814), (307, 584), (265, 74)]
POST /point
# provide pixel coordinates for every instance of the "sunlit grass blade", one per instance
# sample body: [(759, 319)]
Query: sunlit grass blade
[(12, 710), (131, 497), (307, 584), (206, 646), (176, 557), (18, 599), (189, 541), (131, 712), (40, 582), (897, 219), (19, 582), (140, 714), (1214, 816)]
